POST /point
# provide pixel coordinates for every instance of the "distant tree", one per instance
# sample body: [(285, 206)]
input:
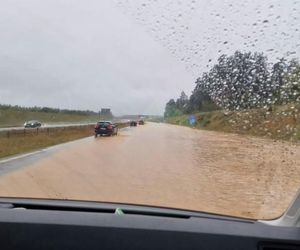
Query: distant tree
[(290, 90), (200, 99), (182, 102), (46, 110), (171, 109), (239, 81), (278, 74), (285, 79)]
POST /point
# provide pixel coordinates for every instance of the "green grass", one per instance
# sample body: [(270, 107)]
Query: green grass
[(14, 118), (34, 139), (283, 122), (298, 133), (205, 121), (23, 144)]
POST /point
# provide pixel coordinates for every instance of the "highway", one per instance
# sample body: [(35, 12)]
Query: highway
[(45, 125), (57, 125), (163, 165)]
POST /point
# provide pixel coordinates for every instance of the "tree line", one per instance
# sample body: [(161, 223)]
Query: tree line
[(241, 81), (46, 110)]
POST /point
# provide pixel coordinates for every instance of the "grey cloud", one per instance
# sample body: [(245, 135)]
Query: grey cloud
[(130, 55), (85, 55)]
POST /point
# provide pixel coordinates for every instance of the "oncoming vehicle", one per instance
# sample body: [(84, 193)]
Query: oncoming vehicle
[(106, 128), (32, 124)]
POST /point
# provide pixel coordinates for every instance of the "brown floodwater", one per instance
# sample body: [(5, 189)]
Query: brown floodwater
[(169, 166)]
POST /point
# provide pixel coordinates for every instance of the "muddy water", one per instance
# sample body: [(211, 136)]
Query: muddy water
[(169, 166)]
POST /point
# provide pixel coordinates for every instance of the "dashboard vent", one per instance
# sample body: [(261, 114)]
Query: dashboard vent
[(278, 246)]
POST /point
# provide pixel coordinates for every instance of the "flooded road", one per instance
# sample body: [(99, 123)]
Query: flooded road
[(169, 166)]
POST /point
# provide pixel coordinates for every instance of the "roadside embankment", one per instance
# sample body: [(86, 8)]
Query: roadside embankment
[(280, 122), (16, 141), (15, 118)]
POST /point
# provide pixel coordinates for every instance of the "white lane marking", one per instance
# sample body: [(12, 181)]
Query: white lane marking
[(20, 156)]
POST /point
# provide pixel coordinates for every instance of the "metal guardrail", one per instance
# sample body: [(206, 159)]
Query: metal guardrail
[(18, 132)]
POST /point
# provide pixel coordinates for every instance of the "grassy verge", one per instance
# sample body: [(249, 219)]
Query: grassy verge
[(18, 143), (282, 122), (14, 118), (23, 144)]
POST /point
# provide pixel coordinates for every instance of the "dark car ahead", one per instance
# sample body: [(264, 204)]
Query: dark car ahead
[(106, 128), (32, 124), (141, 122), (133, 123)]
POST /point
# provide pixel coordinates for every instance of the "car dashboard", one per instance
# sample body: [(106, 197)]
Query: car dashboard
[(52, 224)]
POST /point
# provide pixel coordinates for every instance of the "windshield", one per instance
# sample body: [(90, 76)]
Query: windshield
[(204, 96)]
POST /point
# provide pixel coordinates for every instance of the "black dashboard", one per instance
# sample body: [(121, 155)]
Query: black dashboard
[(50, 224)]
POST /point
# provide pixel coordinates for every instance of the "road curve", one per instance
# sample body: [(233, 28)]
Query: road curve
[(164, 165)]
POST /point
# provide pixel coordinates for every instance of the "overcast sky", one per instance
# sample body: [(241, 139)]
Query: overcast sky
[(131, 56)]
